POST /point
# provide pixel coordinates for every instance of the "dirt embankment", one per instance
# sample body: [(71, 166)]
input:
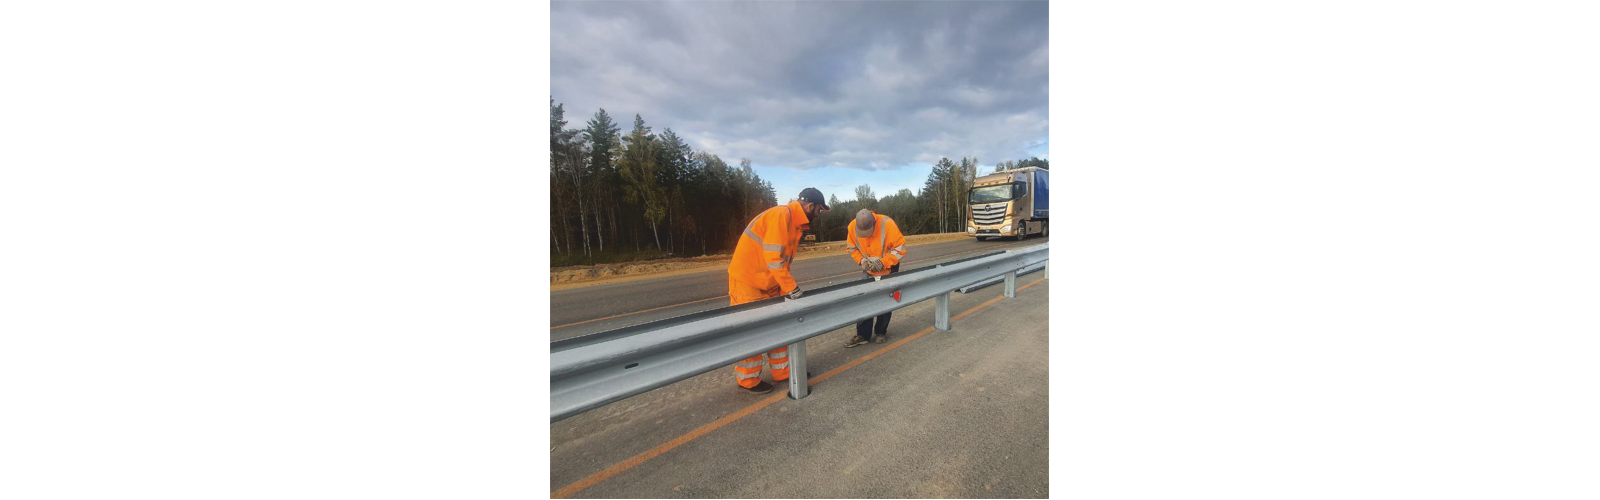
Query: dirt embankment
[(571, 276)]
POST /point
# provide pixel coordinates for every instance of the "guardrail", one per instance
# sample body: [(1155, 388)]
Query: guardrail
[(591, 371), (986, 283)]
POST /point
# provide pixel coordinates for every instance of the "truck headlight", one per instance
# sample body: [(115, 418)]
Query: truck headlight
[(1005, 229), (971, 229)]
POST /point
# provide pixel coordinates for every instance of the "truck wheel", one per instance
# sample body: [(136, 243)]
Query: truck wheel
[(1046, 232), (1022, 234)]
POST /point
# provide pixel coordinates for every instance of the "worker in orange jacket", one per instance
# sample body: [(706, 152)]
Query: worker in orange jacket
[(877, 246), (760, 270)]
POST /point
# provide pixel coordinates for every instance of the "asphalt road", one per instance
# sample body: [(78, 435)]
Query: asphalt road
[(962, 413), (597, 308)]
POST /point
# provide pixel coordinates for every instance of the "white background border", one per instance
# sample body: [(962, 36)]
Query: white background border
[(298, 249)]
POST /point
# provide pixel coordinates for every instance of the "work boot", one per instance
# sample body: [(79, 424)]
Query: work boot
[(855, 341), (761, 388), (881, 338)]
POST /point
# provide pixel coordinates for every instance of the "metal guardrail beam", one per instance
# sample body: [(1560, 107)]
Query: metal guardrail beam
[(985, 283), (594, 370)]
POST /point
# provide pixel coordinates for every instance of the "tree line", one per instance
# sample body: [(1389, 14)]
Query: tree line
[(939, 207), (618, 197)]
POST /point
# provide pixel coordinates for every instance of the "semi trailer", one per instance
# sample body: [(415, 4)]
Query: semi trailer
[(1013, 203)]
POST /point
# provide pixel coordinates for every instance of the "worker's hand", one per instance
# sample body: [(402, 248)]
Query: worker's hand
[(795, 295), (866, 265), (877, 265)]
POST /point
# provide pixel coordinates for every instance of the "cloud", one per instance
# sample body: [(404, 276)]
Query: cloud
[(865, 85)]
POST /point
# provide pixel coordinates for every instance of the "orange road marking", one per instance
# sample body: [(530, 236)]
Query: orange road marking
[(914, 336), (635, 460), (665, 447)]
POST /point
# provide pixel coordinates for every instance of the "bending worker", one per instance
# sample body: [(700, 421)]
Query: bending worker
[(877, 246), (760, 270)]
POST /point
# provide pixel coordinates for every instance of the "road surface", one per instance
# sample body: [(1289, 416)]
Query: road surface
[(596, 308), (962, 413)]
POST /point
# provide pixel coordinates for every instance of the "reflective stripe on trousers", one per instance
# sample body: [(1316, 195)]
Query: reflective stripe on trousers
[(747, 372)]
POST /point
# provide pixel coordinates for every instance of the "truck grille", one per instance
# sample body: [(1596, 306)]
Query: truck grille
[(988, 215)]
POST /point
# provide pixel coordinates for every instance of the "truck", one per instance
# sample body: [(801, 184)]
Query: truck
[(1013, 203)]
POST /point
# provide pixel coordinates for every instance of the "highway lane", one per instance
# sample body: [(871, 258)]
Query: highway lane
[(596, 308)]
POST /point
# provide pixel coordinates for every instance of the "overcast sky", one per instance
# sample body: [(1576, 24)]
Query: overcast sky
[(823, 94)]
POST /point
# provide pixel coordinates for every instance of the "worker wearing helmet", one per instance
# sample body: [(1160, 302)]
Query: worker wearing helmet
[(876, 244), (760, 270)]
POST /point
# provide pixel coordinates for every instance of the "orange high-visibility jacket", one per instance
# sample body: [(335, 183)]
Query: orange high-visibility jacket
[(886, 244), (765, 250)]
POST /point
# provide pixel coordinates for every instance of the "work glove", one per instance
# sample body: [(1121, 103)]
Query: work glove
[(795, 294), (877, 265), (866, 265)]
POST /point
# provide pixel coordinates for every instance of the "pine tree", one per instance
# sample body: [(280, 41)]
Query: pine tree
[(602, 136), (937, 193), (558, 193), (672, 156)]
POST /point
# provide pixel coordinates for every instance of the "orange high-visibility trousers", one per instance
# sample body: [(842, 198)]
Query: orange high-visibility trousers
[(747, 372)]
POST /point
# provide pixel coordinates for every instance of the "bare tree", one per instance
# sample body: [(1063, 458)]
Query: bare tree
[(574, 170), (865, 196)]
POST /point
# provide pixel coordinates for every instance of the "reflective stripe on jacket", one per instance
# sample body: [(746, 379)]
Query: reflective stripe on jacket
[(766, 248), (886, 244)]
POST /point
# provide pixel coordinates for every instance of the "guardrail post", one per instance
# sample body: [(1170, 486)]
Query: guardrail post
[(798, 385), (1011, 285), (941, 311), (1047, 269)]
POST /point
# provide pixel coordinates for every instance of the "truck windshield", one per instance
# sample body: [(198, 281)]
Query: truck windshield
[(993, 194)]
